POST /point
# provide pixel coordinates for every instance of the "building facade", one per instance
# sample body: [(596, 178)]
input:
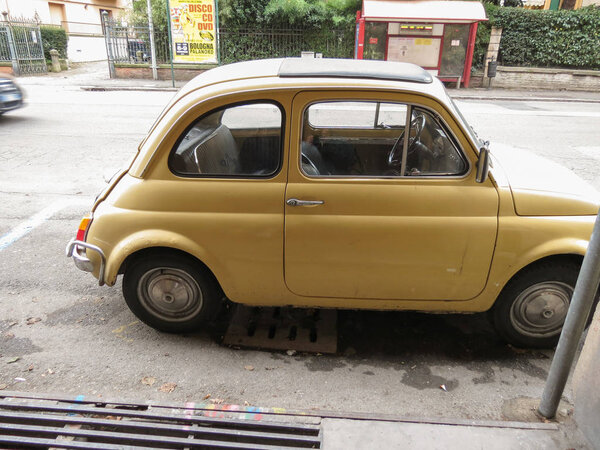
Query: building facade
[(81, 19)]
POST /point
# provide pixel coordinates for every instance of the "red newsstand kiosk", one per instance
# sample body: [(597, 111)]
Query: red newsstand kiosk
[(436, 35)]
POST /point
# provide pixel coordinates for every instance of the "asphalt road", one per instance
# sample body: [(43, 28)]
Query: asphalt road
[(61, 333)]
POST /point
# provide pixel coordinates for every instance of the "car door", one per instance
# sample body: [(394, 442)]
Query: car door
[(225, 192), (358, 228)]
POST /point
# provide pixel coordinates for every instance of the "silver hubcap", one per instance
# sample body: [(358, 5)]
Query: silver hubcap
[(540, 310), (170, 294)]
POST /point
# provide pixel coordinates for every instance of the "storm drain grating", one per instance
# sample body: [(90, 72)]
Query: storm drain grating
[(31, 423), (304, 330)]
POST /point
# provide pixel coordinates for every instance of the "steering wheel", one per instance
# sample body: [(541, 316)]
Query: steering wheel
[(417, 123), (306, 160)]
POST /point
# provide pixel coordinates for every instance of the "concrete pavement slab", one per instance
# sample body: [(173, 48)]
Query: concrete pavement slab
[(368, 434)]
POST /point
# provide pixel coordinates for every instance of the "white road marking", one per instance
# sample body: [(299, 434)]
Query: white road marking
[(488, 108), (34, 221)]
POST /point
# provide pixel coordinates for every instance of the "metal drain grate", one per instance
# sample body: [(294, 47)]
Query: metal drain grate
[(34, 423), (304, 330)]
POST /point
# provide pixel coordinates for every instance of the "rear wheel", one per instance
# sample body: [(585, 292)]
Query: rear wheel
[(171, 293), (532, 308)]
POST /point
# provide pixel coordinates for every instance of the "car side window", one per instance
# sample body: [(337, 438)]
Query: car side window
[(367, 139), (235, 141), (430, 149)]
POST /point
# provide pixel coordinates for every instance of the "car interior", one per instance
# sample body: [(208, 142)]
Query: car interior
[(375, 146), (351, 139), (212, 148)]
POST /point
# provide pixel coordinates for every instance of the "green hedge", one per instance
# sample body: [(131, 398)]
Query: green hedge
[(54, 37), (539, 38)]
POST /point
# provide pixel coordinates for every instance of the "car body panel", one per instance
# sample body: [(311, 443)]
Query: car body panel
[(384, 238), (429, 243)]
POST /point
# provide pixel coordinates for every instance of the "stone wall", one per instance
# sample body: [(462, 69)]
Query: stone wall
[(542, 78), (164, 72), (6, 68)]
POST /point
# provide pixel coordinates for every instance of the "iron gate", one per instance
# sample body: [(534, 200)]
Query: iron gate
[(21, 44)]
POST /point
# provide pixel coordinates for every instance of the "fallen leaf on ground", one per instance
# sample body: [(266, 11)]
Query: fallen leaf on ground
[(3, 386), (217, 401), (517, 350), (148, 381), (9, 335), (12, 324), (206, 397), (32, 320), (167, 387), (443, 388), (291, 352), (246, 403), (249, 368), (50, 371), (30, 368), (14, 359)]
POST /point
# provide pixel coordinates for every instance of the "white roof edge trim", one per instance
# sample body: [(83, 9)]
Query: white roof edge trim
[(424, 10)]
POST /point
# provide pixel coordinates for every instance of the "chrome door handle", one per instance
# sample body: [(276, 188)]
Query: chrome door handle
[(296, 202)]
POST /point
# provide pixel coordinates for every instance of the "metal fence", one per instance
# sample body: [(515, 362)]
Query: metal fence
[(246, 44), (21, 44), (131, 44)]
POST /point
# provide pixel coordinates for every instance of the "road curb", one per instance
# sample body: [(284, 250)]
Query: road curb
[(524, 99), (128, 88)]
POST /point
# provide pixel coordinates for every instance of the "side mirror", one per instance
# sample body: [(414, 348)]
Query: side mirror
[(483, 164)]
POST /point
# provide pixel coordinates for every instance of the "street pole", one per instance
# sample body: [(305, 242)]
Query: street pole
[(218, 37), (170, 43), (152, 46), (107, 40), (579, 310)]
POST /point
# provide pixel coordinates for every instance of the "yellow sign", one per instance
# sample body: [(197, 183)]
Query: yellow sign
[(194, 30), (422, 41)]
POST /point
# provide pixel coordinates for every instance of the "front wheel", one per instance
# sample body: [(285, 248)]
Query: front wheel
[(170, 293), (532, 308)]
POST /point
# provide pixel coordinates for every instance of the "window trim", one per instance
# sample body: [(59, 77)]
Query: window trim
[(366, 127), (410, 106), (222, 108)]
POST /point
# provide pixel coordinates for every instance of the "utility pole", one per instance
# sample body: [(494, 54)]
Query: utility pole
[(152, 46), (109, 45)]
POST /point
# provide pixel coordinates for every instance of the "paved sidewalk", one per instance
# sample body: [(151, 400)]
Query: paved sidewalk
[(95, 77), (525, 95), (329, 430), (368, 434)]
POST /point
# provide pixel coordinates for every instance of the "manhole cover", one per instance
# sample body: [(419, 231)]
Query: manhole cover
[(303, 330)]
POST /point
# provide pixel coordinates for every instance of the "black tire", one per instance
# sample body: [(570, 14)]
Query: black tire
[(532, 307), (171, 293)]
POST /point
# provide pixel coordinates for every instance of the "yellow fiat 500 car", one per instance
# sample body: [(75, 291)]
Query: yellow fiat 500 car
[(335, 184)]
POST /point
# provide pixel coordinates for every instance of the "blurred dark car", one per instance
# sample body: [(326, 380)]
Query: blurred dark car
[(11, 96)]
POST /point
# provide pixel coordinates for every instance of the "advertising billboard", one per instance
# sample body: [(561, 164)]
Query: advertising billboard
[(194, 31)]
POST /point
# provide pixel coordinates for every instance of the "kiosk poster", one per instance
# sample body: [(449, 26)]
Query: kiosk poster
[(194, 30)]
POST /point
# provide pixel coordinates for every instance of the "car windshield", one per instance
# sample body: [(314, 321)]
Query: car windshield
[(476, 139)]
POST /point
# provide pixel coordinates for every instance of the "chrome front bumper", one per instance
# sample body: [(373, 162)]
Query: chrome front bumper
[(76, 249)]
